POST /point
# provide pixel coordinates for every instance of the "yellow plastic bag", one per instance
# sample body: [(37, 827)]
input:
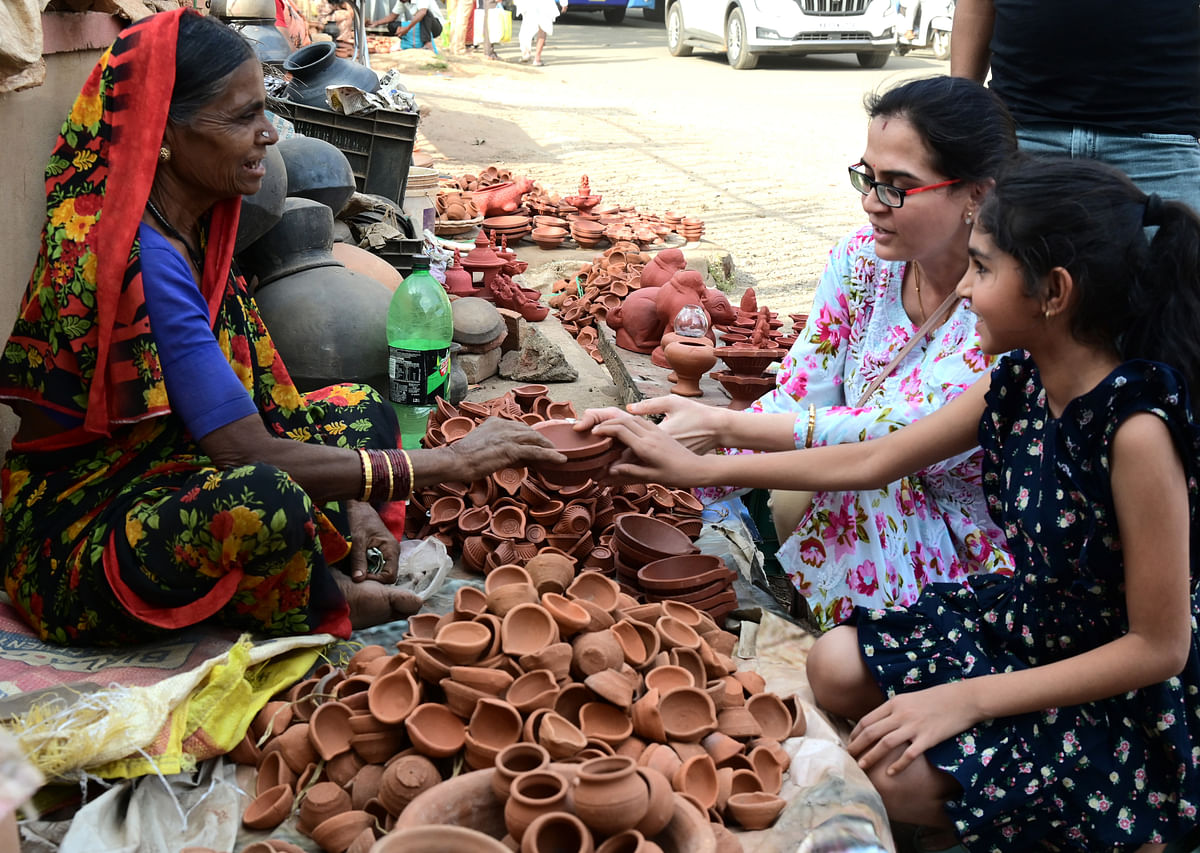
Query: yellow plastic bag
[(499, 25)]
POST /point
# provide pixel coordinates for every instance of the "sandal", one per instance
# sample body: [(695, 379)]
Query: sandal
[(537, 63)]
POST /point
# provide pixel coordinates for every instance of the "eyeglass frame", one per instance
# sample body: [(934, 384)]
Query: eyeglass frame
[(875, 185)]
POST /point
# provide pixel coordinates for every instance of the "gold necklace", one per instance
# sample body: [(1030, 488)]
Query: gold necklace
[(917, 281)]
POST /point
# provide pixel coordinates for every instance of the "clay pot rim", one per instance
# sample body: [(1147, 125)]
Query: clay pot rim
[(578, 447), (657, 575)]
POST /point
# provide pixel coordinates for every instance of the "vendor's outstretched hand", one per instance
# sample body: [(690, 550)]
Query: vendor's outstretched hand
[(694, 425), (498, 443), (651, 455)]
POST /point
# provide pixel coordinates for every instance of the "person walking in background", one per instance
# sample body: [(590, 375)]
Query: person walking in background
[(425, 14), (1108, 79), (537, 22)]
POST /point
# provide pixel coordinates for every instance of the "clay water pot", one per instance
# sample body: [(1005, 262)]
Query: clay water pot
[(321, 802), (404, 779), (392, 697), (437, 838), (463, 642), (604, 722), (435, 731), (533, 690), (609, 795), (660, 805), (514, 760), (269, 809), (596, 651), (629, 841), (317, 170), (569, 616), (329, 729), (338, 832), (754, 810), (561, 738), (697, 777), (531, 795), (526, 629), (316, 66), (557, 832), (556, 657), (596, 588)]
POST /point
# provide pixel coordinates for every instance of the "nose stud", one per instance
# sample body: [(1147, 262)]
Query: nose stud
[(266, 134)]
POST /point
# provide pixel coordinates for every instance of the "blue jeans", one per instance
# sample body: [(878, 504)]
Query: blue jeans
[(1163, 163)]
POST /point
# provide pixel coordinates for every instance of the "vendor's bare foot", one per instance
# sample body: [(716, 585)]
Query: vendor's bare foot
[(374, 603)]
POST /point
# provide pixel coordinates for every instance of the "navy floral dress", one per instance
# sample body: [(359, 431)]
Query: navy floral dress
[(1107, 775)]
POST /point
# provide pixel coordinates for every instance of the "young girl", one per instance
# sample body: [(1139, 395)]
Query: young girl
[(1058, 708)]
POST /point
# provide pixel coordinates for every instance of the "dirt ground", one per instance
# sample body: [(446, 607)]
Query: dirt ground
[(759, 155)]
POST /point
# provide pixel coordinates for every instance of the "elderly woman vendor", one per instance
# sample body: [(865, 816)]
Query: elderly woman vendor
[(167, 471)]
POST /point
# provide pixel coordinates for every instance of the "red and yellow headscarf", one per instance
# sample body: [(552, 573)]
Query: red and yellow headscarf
[(81, 345)]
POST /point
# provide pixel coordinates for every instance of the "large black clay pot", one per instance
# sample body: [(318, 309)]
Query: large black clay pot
[(261, 211), (328, 323), (317, 170), (315, 66), (301, 240), (269, 44)]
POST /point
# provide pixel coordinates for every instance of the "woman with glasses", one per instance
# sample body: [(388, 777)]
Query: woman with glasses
[(932, 149)]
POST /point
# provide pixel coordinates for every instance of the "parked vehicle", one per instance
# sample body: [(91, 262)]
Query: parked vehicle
[(746, 29), (652, 10), (931, 28), (614, 10)]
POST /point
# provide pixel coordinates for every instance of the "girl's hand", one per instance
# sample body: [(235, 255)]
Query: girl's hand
[(367, 531), (919, 719), (651, 454), (694, 425)]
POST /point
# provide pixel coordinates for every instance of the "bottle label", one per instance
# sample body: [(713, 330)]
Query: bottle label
[(416, 377)]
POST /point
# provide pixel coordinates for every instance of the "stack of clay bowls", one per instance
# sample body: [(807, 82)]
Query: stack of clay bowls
[(510, 228), (587, 233), (548, 236), (588, 456), (701, 580), (691, 229), (515, 513), (538, 667)]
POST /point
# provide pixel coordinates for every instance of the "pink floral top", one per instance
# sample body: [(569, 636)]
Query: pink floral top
[(879, 548)]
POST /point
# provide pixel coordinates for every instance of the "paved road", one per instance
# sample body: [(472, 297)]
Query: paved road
[(760, 155)]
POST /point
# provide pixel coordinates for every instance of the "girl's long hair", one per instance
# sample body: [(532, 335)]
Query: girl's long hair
[(1139, 296)]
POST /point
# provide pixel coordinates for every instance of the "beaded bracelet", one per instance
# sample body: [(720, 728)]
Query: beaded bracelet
[(812, 424)]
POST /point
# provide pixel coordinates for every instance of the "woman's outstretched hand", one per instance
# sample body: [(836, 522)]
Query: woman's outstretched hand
[(498, 443), (694, 425), (920, 720), (651, 455)]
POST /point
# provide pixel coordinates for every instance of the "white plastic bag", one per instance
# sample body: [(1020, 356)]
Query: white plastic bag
[(424, 564)]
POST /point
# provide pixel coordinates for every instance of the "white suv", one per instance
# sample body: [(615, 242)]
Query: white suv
[(746, 29)]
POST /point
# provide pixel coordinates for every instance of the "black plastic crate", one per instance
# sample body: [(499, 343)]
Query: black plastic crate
[(379, 145)]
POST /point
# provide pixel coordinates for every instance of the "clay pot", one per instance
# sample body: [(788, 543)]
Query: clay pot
[(531, 795), (435, 731), (338, 832), (404, 779), (754, 810), (697, 776), (514, 760), (596, 651), (689, 359), (660, 803), (268, 809), (555, 832), (569, 616), (609, 795), (629, 841), (321, 802), (533, 690), (527, 628), (437, 838), (393, 696), (463, 642), (604, 722)]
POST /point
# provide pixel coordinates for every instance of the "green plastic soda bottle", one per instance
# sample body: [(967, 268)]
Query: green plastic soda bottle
[(420, 326)]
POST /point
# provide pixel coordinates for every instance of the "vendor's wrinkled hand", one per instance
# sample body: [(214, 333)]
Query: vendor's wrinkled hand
[(651, 455), (498, 443), (367, 532)]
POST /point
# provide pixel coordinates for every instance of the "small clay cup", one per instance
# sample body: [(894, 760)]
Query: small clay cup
[(514, 760), (557, 831)]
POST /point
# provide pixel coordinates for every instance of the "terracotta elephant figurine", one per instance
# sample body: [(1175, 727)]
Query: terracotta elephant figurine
[(641, 320)]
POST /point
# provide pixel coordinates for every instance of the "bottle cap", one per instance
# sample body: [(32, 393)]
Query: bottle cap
[(420, 262)]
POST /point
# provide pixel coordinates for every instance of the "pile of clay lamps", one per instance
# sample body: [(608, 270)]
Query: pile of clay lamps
[(456, 212), (513, 514), (569, 666), (606, 281)]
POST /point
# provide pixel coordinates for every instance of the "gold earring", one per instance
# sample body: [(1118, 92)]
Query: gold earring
[(969, 218), (164, 154), (1046, 314)]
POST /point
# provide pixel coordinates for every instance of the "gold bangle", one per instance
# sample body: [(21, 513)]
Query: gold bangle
[(812, 424), (365, 462), (391, 477), (411, 474)]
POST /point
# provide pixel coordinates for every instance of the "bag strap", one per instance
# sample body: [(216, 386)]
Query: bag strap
[(931, 322)]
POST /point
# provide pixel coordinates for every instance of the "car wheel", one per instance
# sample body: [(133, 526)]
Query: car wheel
[(614, 14), (902, 49), (675, 33), (873, 58), (655, 12), (736, 50), (941, 44)]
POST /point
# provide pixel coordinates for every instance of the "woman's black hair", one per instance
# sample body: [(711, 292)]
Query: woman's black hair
[(1139, 296), (967, 128), (206, 53)]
